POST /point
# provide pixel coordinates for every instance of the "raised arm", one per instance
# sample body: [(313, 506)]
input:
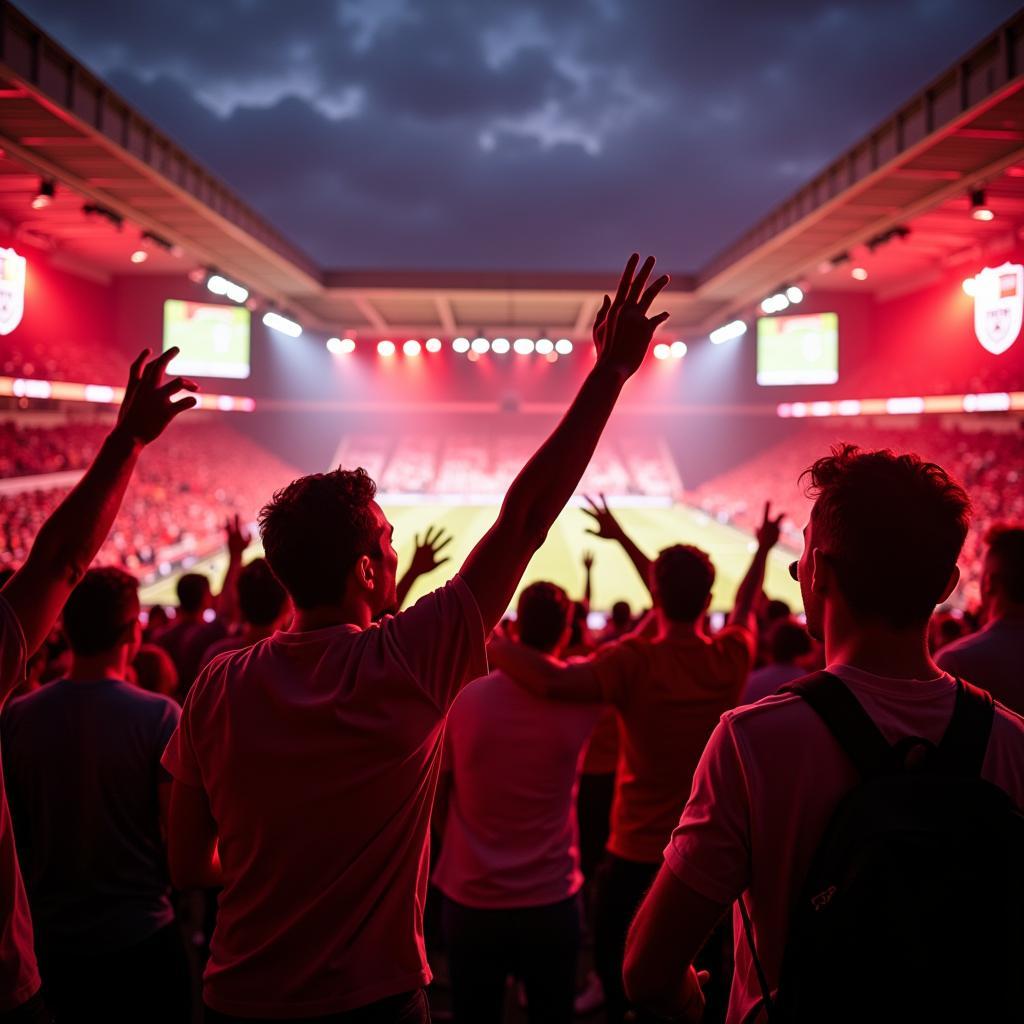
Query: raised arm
[(750, 588), (238, 539), (69, 540), (608, 527), (544, 676), (588, 572), (622, 334), (424, 559)]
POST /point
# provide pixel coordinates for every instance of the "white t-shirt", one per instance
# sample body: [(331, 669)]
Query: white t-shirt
[(767, 786), (510, 838)]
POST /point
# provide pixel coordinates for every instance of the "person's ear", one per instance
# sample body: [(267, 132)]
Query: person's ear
[(821, 572), (951, 584), (365, 573)]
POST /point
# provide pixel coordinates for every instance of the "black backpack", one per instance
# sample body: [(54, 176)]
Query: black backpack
[(913, 906)]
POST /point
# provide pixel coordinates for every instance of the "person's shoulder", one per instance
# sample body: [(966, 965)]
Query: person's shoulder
[(1009, 726), (732, 634)]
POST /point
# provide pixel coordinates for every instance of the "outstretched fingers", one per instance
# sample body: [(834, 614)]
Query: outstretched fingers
[(652, 293), (640, 280), (626, 279)]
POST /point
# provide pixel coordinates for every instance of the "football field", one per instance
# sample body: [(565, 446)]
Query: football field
[(560, 558)]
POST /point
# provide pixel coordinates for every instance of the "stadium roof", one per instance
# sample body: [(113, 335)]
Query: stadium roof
[(915, 171)]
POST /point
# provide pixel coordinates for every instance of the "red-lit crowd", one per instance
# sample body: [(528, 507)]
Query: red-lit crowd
[(777, 820)]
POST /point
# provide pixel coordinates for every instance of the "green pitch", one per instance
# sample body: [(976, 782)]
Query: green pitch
[(560, 558)]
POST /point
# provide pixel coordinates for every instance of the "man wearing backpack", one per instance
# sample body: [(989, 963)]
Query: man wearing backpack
[(892, 942)]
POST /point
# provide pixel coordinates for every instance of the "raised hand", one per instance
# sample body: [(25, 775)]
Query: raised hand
[(588, 559), (425, 557), (770, 530), (148, 406), (238, 536), (607, 526), (622, 328)]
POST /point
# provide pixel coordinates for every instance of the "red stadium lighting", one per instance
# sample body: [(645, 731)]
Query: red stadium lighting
[(340, 346), (980, 209), (385, 348), (523, 346), (412, 347), (678, 349), (563, 346), (544, 347), (282, 324), (433, 345), (662, 351), (481, 345), (859, 274), (500, 345), (139, 256), (460, 345), (44, 197)]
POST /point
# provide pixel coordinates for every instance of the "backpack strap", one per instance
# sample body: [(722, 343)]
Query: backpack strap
[(962, 748), (851, 726)]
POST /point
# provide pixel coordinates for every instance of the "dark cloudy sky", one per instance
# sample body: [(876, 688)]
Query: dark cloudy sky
[(516, 134)]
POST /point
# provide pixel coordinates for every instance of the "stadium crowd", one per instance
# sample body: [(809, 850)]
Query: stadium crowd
[(723, 816)]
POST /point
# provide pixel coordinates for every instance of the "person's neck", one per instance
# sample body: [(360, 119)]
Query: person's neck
[(306, 620), (671, 629), (190, 617), (254, 634), (112, 665), (881, 650)]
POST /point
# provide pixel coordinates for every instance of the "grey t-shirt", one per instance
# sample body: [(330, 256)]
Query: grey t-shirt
[(82, 765), (992, 658)]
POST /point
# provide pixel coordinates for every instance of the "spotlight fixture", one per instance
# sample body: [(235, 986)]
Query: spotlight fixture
[(523, 346), (220, 285), (45, 196), (433, 345), (139, 256), (340, 346), (154, 241), (480, 346), (677, 349), (460, 345), (281, 324), (980, 209), (385, 348), (412, 347), (500, 345), (795, 294), (662, 351), (563, 346), (729, 331), (859, 274), (543, 347), (94, 210), (776, 303)]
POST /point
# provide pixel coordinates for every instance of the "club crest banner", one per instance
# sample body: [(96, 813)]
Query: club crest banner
[(12, 290), (999, 306)]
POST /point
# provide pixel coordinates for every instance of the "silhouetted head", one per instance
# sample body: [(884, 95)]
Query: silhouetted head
[(261, 598), (682, 578), (193, 592), (787, 641), (543, 617), (883, 538), (155, 671), (622, 615), (1002, 580), (102, 614), (327, 539)]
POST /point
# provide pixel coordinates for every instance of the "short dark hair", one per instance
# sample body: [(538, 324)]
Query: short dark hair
[(787, 641), (543, 612), (316, 529), (192, 591), (683, 576), (892, 526), (261, 598), (1006, 550), (100, 611), (622, 614)]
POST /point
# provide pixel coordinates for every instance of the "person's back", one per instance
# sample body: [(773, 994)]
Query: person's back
[(787, 642), (510, 837), (993, 658), (82, 759)]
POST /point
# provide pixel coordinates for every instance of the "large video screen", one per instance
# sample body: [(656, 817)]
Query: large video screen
[(214, 340), (801, 349)]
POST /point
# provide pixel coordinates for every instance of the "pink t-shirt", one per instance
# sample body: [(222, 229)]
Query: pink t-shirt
[(510, 837), (320, 753), (767, 786), (19, 976)]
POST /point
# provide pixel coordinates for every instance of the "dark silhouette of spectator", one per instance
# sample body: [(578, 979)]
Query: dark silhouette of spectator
[(788, 643), (309, 762), (880, 552), (262, 604), (993, 658), (509, 864), (669, 690), (31, 601), (157, 621), (191, 632), (154, 670), (87, 793)]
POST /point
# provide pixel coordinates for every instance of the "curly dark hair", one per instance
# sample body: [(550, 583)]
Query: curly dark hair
[(683, 577), (892, 525), (101, 611), (542, 614), (316, 529)]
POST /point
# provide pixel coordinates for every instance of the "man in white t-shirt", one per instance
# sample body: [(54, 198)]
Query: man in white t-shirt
[(305, 767), (509, 866), (880, 552)]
